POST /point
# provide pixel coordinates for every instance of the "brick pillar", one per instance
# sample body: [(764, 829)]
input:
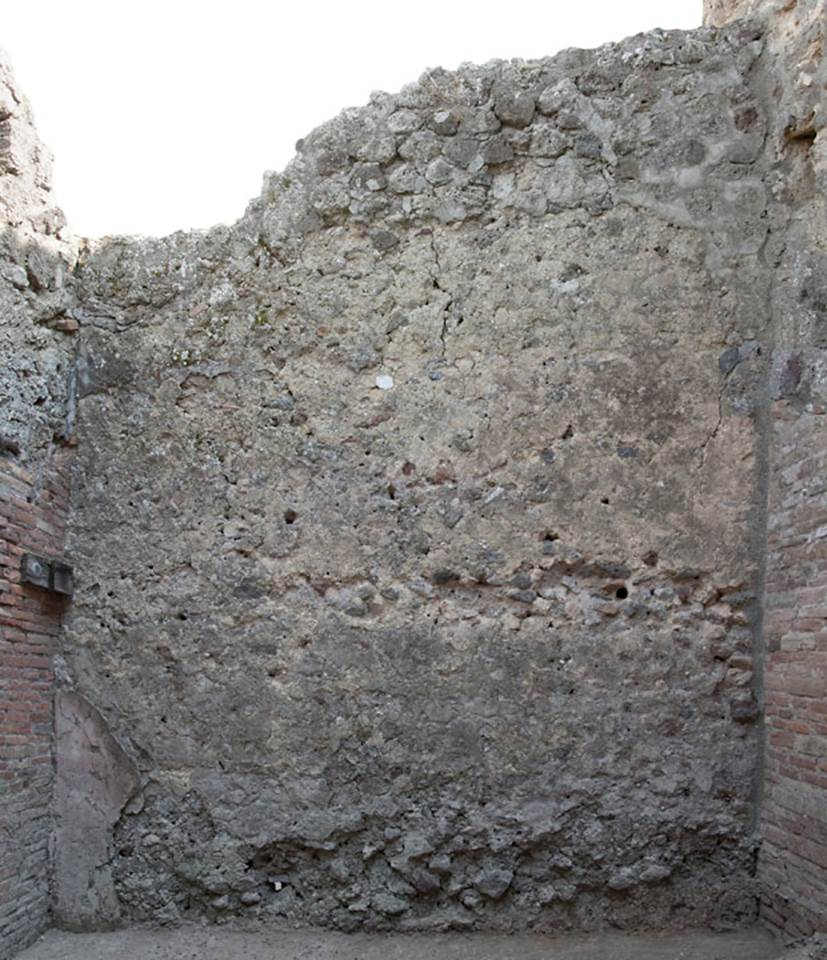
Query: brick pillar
[(793, 859), (31, 520)]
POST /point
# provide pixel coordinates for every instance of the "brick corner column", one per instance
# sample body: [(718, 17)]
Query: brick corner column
[(793, 859), (32, 521)]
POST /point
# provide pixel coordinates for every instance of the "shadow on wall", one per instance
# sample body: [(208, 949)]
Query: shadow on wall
[(94, 781)]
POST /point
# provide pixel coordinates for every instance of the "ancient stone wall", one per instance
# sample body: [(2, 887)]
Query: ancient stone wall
[(35, 364), (419, 520), (417, 517)]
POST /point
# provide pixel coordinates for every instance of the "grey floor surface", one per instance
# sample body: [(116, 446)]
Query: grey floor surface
[(210, 943)]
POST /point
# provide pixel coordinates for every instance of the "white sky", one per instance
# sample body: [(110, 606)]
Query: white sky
[(164, 115)]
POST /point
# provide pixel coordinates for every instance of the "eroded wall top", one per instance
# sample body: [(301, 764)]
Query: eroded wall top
[(36, 257)]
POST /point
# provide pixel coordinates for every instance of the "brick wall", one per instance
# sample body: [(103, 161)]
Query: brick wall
[(793, 860), (31, 520)]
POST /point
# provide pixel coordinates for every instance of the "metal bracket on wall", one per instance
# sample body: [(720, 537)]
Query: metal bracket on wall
[(54, 575)]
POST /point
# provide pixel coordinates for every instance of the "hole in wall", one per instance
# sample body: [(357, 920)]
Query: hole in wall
[(621, 593), (800, 135), (290, 516), (7, 445)]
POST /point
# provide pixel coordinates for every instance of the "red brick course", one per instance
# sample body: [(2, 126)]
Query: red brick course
[(31, 520), (793, 858)]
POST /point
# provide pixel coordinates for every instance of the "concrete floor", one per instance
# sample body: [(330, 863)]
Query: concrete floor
[(210, 943)]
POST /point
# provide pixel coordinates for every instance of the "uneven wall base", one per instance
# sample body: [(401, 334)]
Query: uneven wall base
[(463, 868)]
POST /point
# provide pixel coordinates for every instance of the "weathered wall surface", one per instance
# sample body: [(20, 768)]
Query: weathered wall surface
[(35, 358), (417, 517), (36, 316), (718, 13)]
